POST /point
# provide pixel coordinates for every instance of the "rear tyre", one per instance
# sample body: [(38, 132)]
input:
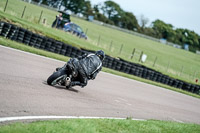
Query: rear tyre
[(56, 77)]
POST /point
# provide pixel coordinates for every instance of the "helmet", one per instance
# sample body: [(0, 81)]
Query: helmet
[(100, 54)]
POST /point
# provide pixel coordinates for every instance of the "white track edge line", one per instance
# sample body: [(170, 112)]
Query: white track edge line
[(5, 119)]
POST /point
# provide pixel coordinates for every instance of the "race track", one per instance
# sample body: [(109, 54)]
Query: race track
[(24, 92)]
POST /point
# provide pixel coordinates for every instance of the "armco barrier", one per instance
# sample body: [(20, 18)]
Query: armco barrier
[(170, 83), (27, 38), (1, 27), (5, 30), (14, 37), (197, 89), (13, 29), (22, 35), (38, 42)]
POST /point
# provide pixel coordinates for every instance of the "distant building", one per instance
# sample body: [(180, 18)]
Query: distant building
[(163, 40), (90, 18), (197, 52), (186, 47)]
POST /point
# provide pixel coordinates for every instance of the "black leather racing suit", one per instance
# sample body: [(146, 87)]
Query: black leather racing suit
[(88, 67)]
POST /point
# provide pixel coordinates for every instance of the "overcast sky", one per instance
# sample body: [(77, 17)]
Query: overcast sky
[(179, 13)]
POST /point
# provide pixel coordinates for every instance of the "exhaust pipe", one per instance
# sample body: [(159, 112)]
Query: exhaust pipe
[(67, 81)]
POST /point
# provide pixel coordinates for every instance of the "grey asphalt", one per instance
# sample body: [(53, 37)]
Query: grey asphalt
[(24, 92)]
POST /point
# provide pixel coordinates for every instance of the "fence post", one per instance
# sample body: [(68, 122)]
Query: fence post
[(110, 46), (191, 72), (40, 16), (23, 12), (195, 73), (120, 51), (99, 40), (168, 66), (181, 71), (133, 53), (155, 62), (141, 56), (6, 6), (44, 21)]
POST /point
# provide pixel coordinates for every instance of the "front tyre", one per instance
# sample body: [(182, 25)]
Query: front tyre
[(55, 77)]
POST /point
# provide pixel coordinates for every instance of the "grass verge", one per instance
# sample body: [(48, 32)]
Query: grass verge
[(23, 47), (100, 126)]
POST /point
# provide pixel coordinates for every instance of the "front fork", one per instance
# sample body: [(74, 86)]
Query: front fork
[(66, 79)]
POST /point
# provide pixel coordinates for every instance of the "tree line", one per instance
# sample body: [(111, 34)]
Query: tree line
[(111, 13)]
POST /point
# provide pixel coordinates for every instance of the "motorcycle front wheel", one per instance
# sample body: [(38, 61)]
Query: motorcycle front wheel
[(56, 77)]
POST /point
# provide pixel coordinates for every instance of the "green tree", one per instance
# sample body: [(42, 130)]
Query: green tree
[(99, 16), (149, 31), (102, 18), (51, 3), (36, 1), (186, 36), (191, 38), (120, 18), (76, 6), (111, 9), (164, 30), (87, 9), (96, 8), (143, 21), (129, 21)]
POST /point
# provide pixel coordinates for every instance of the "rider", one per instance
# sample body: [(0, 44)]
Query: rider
[(87, 66), (57, 21)]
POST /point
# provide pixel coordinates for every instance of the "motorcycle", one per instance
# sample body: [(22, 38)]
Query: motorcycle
[(63, 76)]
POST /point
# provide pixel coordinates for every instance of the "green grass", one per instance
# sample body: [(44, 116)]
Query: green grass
[(20, 46), (166, 55), (100, 126)]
